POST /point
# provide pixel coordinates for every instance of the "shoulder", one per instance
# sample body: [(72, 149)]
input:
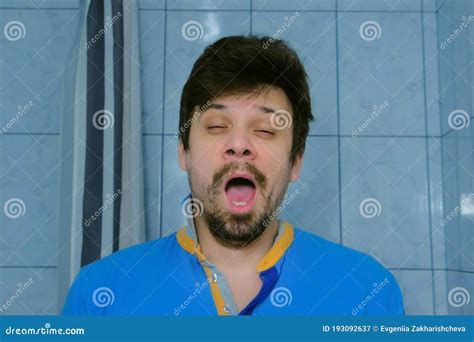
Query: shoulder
[(122, 276), (311, 248), (357, 278), (135, 259)]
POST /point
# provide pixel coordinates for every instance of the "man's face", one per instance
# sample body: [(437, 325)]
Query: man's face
[(238, 163)]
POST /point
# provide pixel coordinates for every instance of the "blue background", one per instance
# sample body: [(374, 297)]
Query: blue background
[(409, 159)]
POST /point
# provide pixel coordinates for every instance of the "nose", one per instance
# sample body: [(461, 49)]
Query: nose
[(238, 146)]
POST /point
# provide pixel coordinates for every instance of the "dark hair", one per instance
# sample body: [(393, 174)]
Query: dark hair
[(241, 64)]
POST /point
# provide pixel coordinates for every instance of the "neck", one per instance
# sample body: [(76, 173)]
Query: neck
[(232, 257)]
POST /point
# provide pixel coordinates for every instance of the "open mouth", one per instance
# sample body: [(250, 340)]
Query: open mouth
[(240, 192)]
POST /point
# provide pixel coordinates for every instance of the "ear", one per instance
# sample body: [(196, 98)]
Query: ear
[(295, 169), (182, 157)]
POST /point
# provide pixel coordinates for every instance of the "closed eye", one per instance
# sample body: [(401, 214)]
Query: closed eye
[(216, 129), (269, 133)]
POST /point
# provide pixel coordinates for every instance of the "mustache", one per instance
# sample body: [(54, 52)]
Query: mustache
[(231, 167)]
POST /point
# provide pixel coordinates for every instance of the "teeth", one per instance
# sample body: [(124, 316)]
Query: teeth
[(239, 204)]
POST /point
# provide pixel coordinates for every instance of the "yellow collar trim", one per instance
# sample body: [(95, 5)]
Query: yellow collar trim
[(269, 260), (188, 244), (278, 249)]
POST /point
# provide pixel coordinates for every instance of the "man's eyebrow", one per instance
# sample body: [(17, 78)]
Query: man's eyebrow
[(265, 109), (214, 105), (219, 106)]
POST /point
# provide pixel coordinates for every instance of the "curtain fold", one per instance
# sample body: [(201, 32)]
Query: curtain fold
[(102, 142)]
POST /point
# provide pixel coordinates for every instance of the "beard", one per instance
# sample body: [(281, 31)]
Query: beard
[(237, 230)]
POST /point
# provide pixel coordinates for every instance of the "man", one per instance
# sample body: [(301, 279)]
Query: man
[(244, 119)]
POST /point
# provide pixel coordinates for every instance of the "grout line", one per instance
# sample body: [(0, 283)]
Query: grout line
[(336, 135), (471, 119), (162, 147), (26, 133), (427, 159), (23, 267), (339, 179), (429, 269), (440, 6), (38, 8), (283, 10), (441, 140), (251, 10)]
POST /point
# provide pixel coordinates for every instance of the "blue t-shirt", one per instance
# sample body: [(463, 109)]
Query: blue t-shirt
[(302, 274)]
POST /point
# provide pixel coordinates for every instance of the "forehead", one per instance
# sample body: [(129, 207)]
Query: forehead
[(266, 101)]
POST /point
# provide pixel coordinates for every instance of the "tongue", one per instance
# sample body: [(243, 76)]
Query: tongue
[(240, 192)]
